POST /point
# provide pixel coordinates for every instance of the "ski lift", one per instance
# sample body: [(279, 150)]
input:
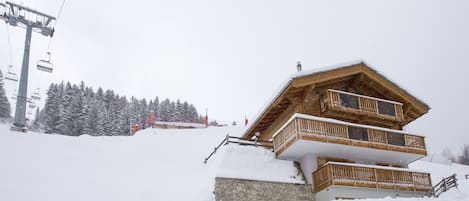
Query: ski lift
[(36, 95), (10, 75), (32, 105), (30, 112), (45, 65)]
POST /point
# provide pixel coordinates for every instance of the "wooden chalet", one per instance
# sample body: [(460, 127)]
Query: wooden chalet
[(344, 125)]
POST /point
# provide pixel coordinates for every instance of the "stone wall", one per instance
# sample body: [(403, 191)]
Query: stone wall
[(227, 189)]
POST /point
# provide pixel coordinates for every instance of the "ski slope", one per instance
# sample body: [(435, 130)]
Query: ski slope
[(155, 164)]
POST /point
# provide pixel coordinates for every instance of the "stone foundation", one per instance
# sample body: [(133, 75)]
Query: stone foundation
[(227, 189)]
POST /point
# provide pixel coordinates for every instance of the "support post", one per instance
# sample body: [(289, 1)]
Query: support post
[(19, 122)]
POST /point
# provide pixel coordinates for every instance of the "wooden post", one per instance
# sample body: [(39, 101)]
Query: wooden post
[(376, 178), (298, 128)]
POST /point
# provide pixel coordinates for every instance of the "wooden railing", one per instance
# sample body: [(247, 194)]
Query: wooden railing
[(360, 104), (288, 134), (370, 177), (318, 129), (444, 185)]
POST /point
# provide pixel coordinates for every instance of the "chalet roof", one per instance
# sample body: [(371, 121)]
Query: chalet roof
[(286, 85)]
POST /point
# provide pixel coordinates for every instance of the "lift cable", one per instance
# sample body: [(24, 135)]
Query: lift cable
[(55, 23), (9, 45)]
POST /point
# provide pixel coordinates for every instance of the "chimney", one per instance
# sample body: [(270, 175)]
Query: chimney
[(298, 66)]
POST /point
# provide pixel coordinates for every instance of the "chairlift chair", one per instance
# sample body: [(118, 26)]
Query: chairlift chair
[(30, 112), (36, 95), (45, 65), (32, 105), (10, 75)]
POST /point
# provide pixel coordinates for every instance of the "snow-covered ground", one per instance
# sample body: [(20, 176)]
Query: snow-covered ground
[(155, 164), (152, 165)]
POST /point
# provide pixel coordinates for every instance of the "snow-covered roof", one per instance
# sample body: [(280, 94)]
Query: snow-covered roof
[(180, 124), (285, 84)]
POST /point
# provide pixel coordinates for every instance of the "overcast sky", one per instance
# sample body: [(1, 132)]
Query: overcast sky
[(230, 56)]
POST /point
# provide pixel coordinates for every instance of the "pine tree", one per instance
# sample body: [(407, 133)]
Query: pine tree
[(193, 115), (51, 109), (124, 116), (156, 108), (185, 112), (37, 118), (134, 111), (5, 109), (90, 111), (172, 111), (65, 122), (165, 110), (464, 158), (101, 115), (179, 112), (143, 112), (78, 112)]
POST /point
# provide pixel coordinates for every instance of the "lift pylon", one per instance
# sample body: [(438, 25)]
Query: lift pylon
[(32, 20)]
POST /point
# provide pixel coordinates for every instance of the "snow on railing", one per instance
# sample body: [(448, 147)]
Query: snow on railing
[(444, 185), (241, 141)]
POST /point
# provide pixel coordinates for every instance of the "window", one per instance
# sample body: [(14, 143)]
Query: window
[(358, 133), (396, 139), (349, 101), (386, 108)]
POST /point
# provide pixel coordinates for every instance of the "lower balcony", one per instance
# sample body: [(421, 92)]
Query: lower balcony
[(305, 134), (367, 176)]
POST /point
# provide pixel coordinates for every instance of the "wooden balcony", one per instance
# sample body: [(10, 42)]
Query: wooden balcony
[(366, 176), (301, 127), (345, 104)]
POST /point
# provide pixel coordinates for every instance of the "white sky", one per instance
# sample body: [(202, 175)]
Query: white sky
[(230, 56)]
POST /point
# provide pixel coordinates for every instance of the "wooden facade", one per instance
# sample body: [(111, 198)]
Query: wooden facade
[(319, 94), (341, 113), (370, 177)]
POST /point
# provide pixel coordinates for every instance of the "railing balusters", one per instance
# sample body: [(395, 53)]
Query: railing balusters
[(366, 104), (377, 138), (382, 178)]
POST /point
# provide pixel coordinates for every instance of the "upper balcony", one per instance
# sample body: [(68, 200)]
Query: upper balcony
[(366, 176), (362, 108), (306, 134)]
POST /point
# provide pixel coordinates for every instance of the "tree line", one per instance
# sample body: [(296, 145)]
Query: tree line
[(462, 157), (5, 109), (78, 109)]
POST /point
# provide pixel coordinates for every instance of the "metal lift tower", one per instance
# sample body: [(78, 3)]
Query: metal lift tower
[(31, 20)]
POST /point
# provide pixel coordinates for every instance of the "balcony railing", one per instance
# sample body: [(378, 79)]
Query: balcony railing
[(320, 129), (364, 105), (365, 176)]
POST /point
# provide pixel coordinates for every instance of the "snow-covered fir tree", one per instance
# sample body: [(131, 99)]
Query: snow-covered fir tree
[(76, 110), (5, 109)]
